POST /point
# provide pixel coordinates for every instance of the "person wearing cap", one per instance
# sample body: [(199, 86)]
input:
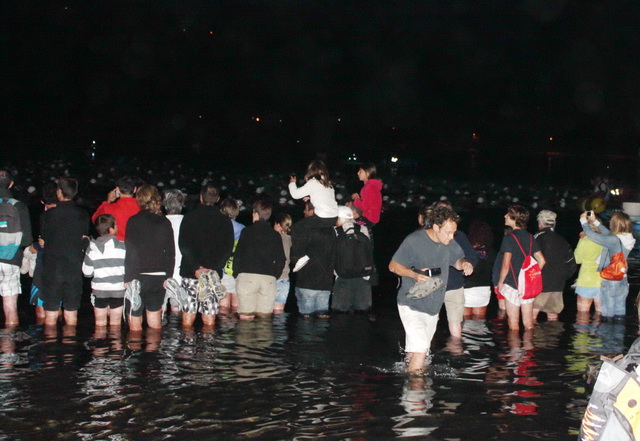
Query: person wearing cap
[(350, 294), (560, 266)]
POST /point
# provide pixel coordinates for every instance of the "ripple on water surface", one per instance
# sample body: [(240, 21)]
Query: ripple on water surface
[(292, 378)]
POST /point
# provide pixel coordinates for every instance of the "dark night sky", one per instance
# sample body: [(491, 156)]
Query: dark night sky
[(398, 74)]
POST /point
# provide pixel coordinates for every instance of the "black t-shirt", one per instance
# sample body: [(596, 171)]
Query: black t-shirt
[(509, 245)]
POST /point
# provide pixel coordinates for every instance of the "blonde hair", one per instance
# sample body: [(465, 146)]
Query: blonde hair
[(149, 198), (285, 221), (620, 223)]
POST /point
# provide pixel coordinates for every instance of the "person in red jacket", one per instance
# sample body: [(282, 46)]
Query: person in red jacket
[(121, 204), (369, 201)]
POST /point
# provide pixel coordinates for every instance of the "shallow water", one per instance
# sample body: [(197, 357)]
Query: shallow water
[(301, 379)]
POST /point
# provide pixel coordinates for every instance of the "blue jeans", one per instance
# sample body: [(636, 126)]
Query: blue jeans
[(312, 301), (613, 296)]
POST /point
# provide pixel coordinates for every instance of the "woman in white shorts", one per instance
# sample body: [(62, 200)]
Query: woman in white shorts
[(477, 287)]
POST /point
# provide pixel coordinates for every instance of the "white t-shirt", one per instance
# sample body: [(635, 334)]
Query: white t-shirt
[(176, 220)]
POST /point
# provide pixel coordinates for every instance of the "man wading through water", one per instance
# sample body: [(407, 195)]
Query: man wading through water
[(433, 248)]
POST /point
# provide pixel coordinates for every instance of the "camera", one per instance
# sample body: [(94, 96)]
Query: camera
[(589, 213), (429, 272)]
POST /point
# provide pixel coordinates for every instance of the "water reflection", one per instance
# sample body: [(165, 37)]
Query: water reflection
[(293, 378)]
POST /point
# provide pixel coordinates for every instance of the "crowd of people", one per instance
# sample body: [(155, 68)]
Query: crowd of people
[(148, 258)]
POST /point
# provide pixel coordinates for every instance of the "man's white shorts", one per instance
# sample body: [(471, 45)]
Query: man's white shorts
[(419, 328), (9, 280)]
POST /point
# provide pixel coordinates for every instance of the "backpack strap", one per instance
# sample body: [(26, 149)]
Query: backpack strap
[(513, 273), (520, 246)]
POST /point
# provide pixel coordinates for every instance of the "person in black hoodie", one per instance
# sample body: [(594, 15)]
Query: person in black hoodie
[(10, 265), (64, 231), (150, 257), (257, 263), (206, 243)]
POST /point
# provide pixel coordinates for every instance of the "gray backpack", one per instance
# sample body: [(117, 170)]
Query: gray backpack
[(10, 229)]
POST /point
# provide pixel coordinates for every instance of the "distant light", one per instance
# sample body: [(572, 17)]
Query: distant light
[(616, 192), (551, 138), (258, 119), (339, 120), (474, 136), (394, 159), (93, 142), (210, 32), (184, 30), (199, 116), (298, 141), (280, 120), (393, 128)]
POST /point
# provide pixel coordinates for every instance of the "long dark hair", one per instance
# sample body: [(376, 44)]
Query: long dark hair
[(318, 170)]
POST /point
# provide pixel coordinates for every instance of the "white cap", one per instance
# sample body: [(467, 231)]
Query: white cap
[(345, 212)]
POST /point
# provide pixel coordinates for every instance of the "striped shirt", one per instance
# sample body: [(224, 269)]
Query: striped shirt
[(104, 261)]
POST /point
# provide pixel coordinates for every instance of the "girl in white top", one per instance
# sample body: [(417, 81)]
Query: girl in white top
[(319, 190)]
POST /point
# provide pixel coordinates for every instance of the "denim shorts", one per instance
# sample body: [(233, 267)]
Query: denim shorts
[(282, 290), (313, 301)]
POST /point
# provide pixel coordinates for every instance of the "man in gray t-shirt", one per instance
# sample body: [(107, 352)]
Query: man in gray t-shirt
[(424, 249)]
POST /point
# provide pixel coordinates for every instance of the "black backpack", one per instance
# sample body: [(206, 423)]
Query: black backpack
[(354, 253)]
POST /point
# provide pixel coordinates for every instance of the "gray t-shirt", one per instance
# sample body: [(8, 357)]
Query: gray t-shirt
[(419, 251)]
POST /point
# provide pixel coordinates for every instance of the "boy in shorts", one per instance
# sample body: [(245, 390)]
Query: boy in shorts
[(104, 261)]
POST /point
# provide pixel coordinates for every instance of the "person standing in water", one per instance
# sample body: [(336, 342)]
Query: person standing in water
[(426, 249)]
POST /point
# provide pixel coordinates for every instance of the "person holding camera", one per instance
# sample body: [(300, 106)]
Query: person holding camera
[(424, 252), (121, 204), (613, 293)]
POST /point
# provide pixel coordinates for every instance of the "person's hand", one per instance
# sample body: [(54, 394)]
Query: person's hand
[(292, 179), (583, 235), (355, 196), (113, 195), (467, 268), (41, 242), (420, 277), (33, 250), (201, 271), (306, 198), (584, 215)]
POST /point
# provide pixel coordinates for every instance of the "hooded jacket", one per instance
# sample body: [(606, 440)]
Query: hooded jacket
[(150, 247), (370, 202), (259, 251)]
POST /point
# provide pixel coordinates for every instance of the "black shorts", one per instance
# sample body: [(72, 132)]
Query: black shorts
[(151, 293), (61, 282), (107, 302)]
